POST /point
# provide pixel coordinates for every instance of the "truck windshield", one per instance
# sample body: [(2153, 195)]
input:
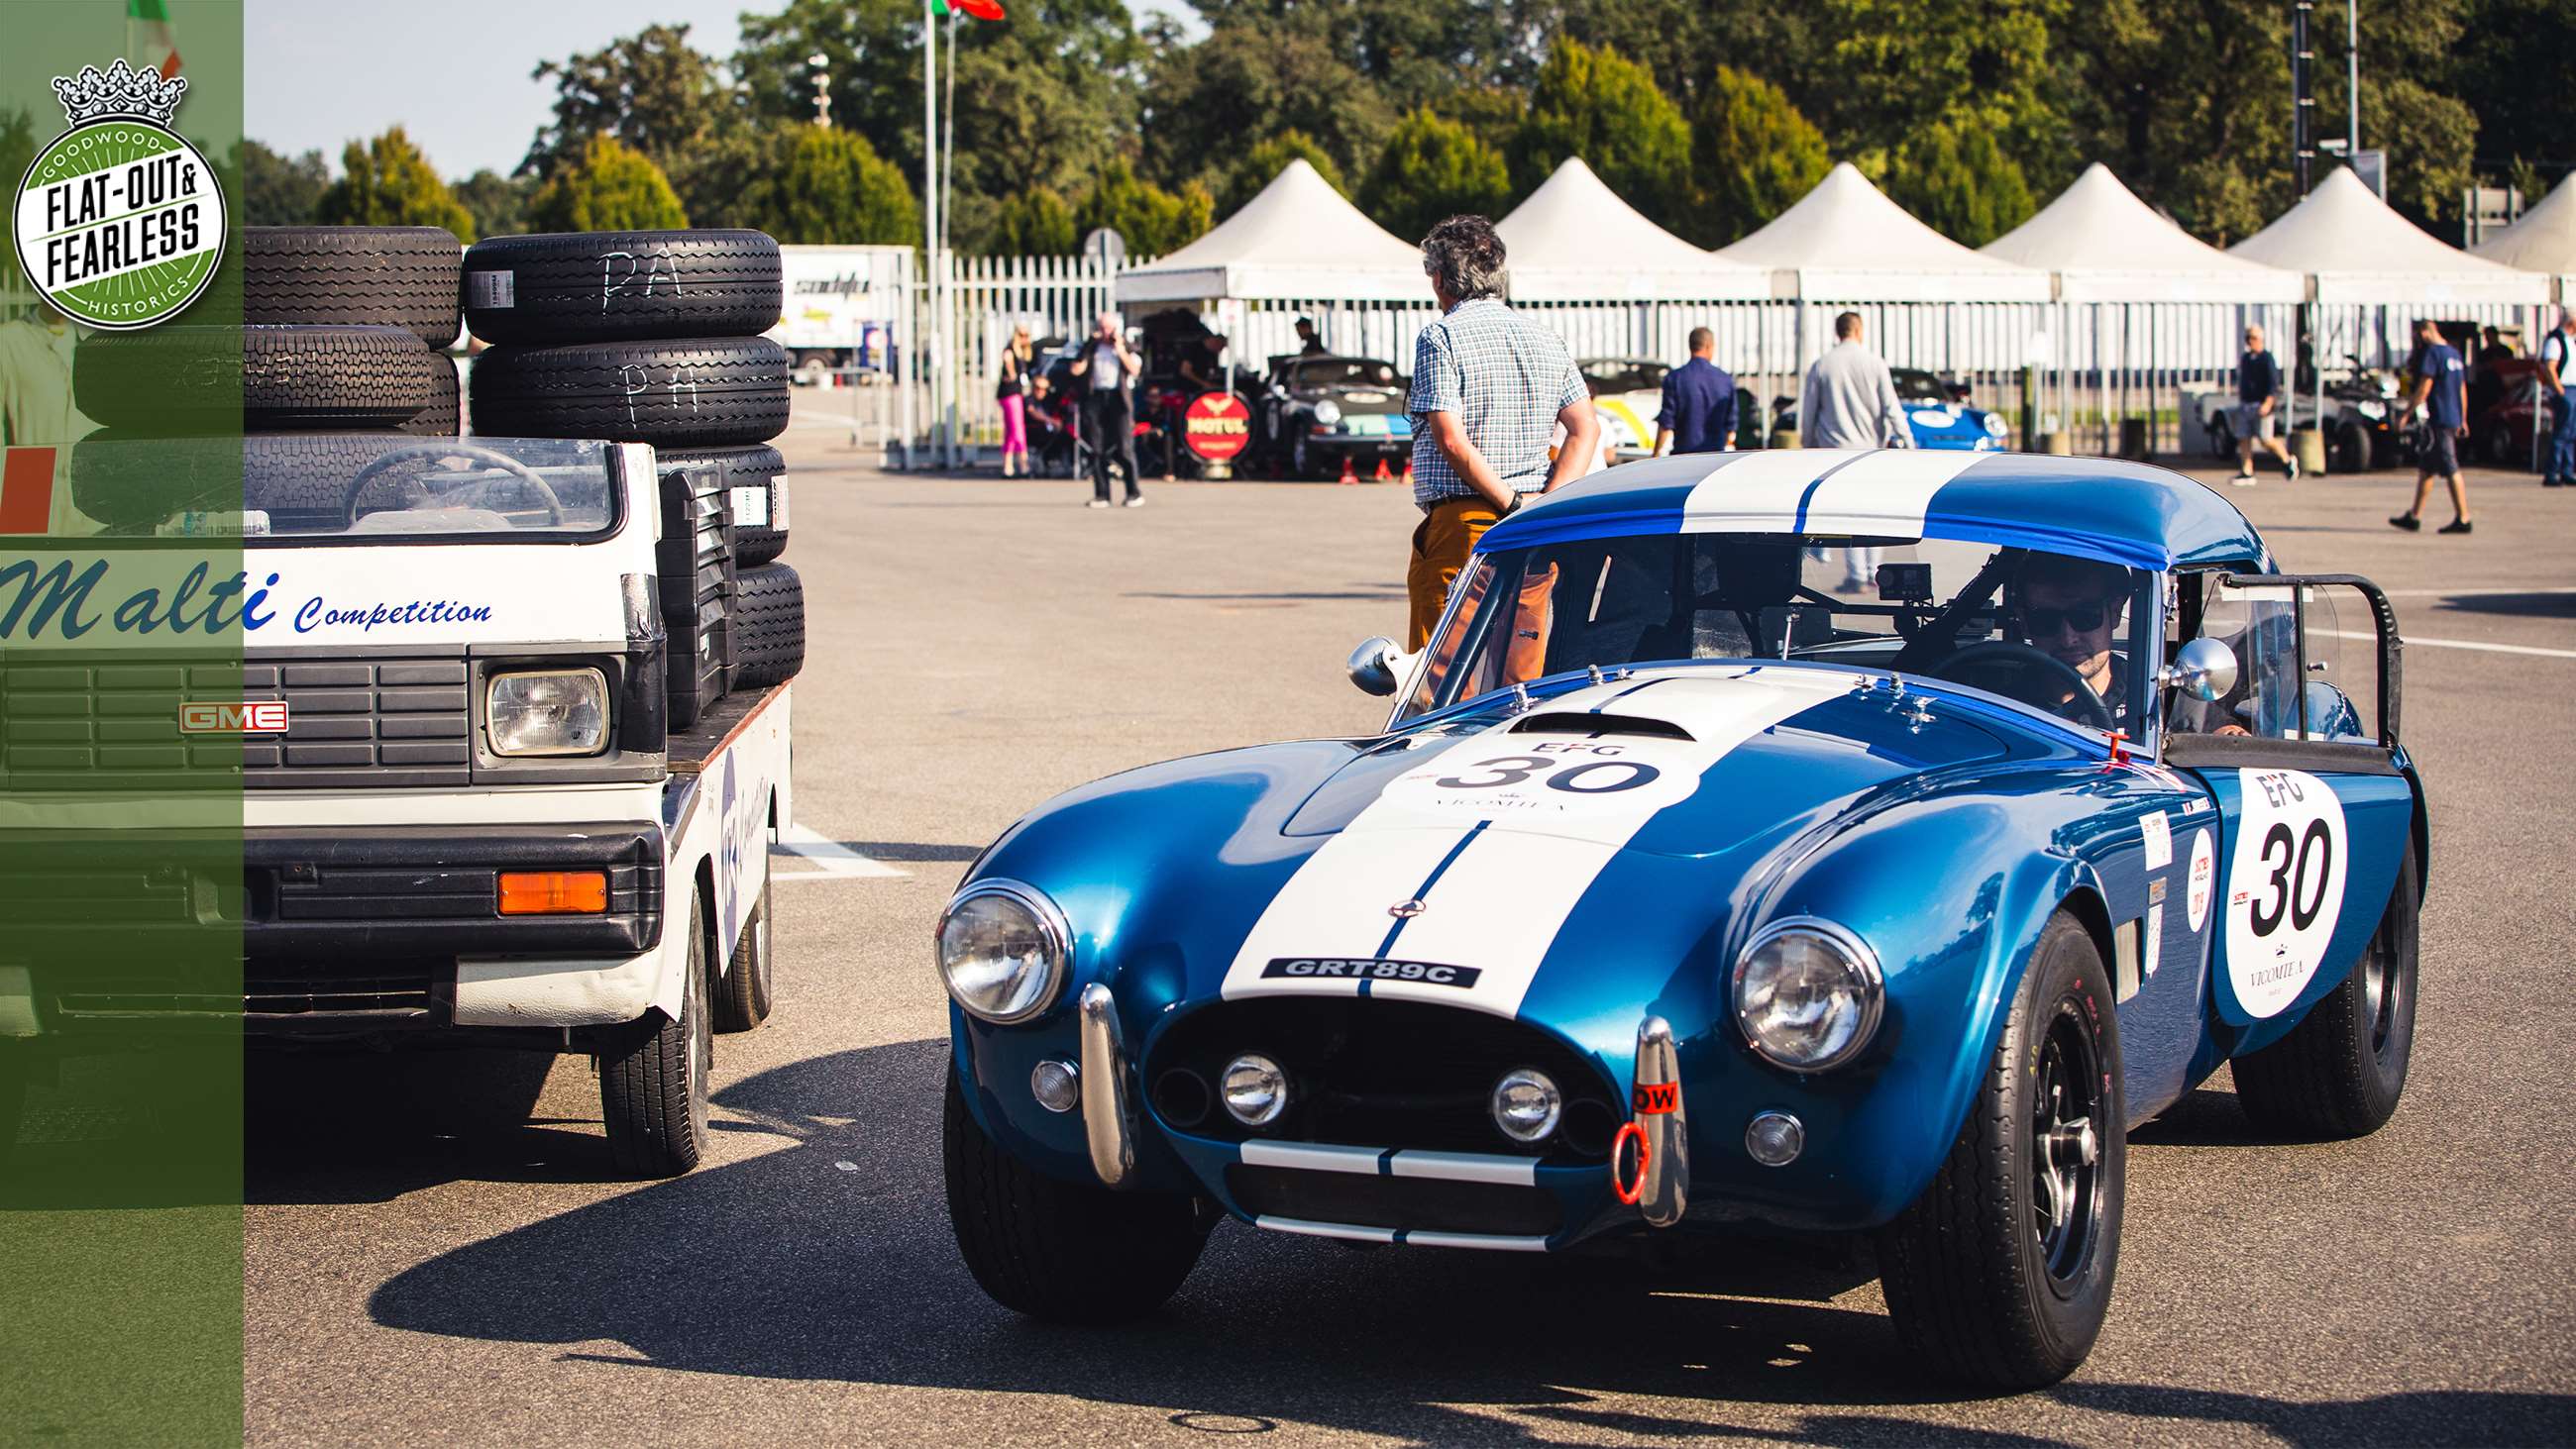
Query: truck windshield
[(344, 487)]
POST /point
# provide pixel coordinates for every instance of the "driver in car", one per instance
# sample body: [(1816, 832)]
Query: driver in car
[(2070, 610)]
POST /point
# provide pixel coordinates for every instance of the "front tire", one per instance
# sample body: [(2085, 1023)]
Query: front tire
[(653, 1081), (2000, 1273), (2222, 438), (743, 1001), (1061, 1251), (2340, 1071)]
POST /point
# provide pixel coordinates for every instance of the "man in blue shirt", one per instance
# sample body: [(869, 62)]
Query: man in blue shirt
[(2441, 390), (1698, 415), (2258, 410), (2557, 373)]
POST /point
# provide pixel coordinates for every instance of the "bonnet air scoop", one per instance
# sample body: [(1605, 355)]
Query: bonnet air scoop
[(1567, 722)]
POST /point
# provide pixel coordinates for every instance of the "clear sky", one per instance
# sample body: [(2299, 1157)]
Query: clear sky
[(454, 73)]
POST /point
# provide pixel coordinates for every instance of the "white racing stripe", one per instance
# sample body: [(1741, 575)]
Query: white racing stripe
[(1491, 842), (1885, 491)]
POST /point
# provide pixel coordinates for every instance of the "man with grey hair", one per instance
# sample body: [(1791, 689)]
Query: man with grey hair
[(2557, 370), (1107, 368), (1490, 388), (1849, 401)]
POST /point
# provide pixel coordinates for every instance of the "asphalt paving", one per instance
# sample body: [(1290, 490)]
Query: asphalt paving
[(436, 1250)]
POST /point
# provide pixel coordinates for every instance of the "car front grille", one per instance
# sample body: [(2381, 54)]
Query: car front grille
[(1373, 1073), (93, 723)]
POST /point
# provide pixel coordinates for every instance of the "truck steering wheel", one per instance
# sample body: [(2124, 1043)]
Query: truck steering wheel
[(444, 448)]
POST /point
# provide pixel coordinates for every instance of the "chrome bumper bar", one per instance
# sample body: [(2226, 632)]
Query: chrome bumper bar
[(1664, 1191), (1108, 1127)]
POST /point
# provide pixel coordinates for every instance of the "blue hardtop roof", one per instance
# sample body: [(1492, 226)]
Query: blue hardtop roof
[(2128, 513)]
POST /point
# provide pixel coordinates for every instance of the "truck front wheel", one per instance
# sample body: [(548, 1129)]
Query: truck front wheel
[(653, 1078), (1063, 1251)]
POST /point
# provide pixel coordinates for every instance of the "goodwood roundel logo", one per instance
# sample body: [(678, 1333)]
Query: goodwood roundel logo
[(119, 221), (251, 717)]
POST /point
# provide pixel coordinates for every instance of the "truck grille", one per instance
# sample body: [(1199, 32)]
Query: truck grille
[(95, 724)]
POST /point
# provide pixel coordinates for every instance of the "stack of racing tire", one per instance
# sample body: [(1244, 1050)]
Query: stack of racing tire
[(342, 345), (652, 337)]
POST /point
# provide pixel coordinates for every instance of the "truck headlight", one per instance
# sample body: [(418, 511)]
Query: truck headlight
[(1808, 994), (547, 712), (1328, 412), (1002, 950)]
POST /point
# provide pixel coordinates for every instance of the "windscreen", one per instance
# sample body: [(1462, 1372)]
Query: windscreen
[(1343, 372), (345, 488), (2050, 630)]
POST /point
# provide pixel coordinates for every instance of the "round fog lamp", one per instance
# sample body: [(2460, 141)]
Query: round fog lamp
[(1255, 1090), (1526, 1105), (1056, 1085), (1775, 1139)]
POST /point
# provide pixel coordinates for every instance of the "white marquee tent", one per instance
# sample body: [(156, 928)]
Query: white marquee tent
[(1845, 242), (2105, 245), (1298, 239), (2357, 251), (1574, 240), (2543, 241)]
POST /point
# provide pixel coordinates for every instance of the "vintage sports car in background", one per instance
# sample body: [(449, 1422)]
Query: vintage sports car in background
[(1627, 394), (1313, 413), (1689, 897), (1936, 413)]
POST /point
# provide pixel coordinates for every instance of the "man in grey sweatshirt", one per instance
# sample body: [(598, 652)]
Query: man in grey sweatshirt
[(1849, 401)]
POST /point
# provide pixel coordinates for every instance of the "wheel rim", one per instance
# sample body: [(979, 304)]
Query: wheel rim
[(2066, 1147), (2381, 993)]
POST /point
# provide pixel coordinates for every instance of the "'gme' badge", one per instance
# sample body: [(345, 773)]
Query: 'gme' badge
[(119, 221)]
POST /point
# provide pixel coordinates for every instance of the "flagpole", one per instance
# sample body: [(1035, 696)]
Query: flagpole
[(938, 327)]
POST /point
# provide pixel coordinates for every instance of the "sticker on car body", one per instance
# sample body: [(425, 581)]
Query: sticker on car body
[(2285, 886)]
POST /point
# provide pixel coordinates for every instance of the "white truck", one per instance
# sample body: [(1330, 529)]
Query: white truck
[(838, 307), (424, 689)]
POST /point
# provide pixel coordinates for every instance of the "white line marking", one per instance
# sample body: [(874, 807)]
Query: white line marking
[(2484, 591), (2413, 640), (830, 859)]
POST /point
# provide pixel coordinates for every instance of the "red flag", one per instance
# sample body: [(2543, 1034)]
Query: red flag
[(980, 9)]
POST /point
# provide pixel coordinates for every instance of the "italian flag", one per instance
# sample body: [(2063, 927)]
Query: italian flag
[(979, 9), (149, 36)]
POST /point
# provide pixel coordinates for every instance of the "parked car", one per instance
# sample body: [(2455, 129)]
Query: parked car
[(2360, 410), (1627, 394), (1687, 898), (1937, 413), (1315, 413)]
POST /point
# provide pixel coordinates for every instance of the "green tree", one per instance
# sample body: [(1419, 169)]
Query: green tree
[(387, 182), (611, 186), (1261, 165), (1752, 156), (1961, 185), (498, 203), (1153, 221), (2515, 62), (656, 94), (1035, 223), (1606, 109), (278, 190), (1434, 167), (2417, 65), (834, 188), (1684, 42), (1973, 65), (1408, 53), (1242, 84)]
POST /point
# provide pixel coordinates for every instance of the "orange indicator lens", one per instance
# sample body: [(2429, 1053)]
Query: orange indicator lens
[(553, 892)]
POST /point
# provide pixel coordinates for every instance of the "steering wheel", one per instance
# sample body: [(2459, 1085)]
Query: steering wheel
[(449, 448), (2003, 657)]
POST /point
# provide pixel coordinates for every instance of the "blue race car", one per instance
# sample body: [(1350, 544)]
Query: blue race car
[(1936, 414), (1688, 896)]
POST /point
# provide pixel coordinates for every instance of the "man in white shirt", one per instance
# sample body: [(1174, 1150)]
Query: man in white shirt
[(1108, 368), (1849, 401)]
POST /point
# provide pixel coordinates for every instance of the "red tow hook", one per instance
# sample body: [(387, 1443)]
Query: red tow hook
[(1633, 1188), (2119, 751)]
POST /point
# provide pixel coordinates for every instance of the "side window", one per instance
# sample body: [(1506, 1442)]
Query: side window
[(2308, 656)]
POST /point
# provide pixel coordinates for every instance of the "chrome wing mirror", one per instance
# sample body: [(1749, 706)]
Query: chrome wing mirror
[(2205, 669), (1377, 665)]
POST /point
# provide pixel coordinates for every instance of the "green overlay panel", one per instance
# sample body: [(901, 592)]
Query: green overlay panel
[(121, 790)]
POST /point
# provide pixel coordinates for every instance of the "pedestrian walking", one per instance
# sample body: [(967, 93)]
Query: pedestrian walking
[(1011, 392), (2441, 394), (1698, 415), (1490, 388), (1849, 401), (2258, 410), (1108, 368), (2557, 370)]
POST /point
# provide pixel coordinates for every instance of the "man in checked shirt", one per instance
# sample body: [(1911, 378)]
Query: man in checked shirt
[(1490, 387)]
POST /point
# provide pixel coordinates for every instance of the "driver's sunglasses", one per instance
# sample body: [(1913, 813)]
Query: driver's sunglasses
[(2082, 618)]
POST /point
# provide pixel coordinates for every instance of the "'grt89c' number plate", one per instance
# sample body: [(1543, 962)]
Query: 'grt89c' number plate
[(1363, 968)]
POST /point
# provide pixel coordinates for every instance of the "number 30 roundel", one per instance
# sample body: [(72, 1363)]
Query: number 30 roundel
[(2284, 886)]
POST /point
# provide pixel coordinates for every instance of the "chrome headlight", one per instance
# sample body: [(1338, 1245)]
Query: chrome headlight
[(1994, 425), (1327, 411), (547, 712), (1003, 949), (1808, 994)]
